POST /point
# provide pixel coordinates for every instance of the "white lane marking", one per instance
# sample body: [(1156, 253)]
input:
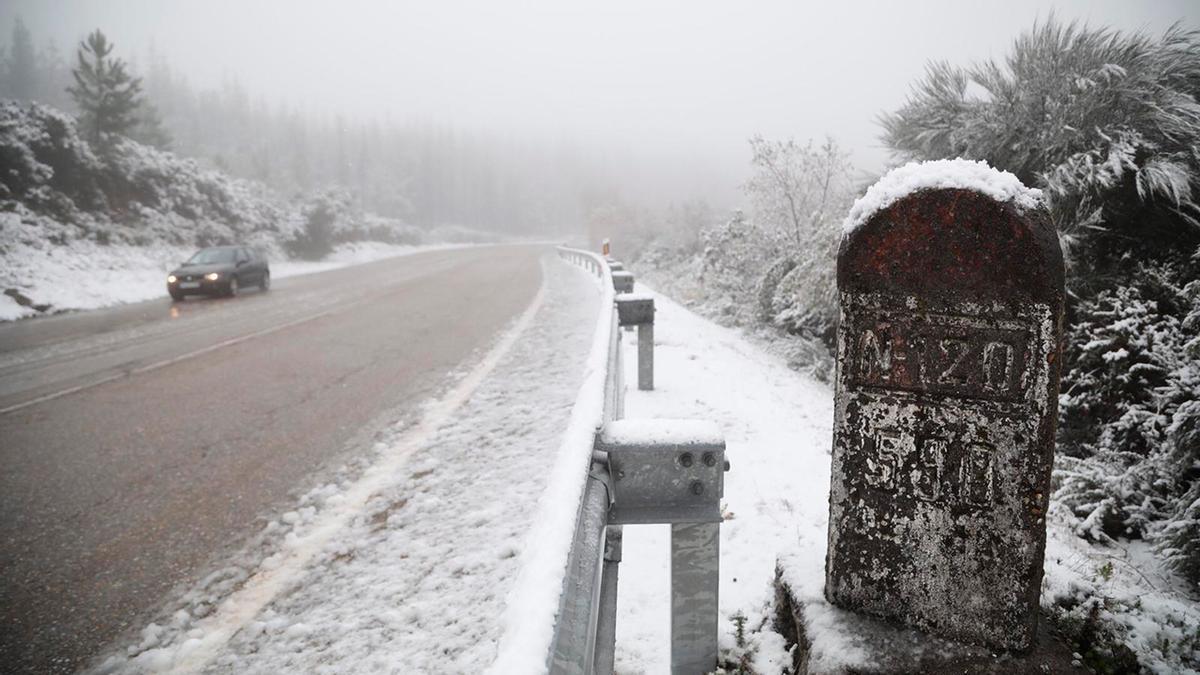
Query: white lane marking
[(261, 588)]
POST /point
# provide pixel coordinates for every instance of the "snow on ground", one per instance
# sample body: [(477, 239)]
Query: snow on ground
[(1142, 602), (415, 580), (778, 431), (85, 275)]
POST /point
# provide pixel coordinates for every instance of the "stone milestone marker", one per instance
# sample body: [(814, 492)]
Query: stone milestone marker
[(946, 399)]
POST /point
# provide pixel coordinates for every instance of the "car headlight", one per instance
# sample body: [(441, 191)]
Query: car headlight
[(212, 276), (171, 279)]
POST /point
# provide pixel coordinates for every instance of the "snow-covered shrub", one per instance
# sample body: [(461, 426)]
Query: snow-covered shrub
[(809, 355), (769, 284), (46, 165), (370, 227), (130, 193), (734, 256), (225, 209), (1179, 538), (800, 195), (805, 301), (22, 228), (1100, 644), (317, 237), (1130, 416), (774, 272), (1121, 350), (136, 194)]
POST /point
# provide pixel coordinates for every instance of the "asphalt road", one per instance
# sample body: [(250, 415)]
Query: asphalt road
[(140, 442)]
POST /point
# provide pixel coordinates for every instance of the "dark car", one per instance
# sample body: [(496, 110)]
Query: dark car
[(220, 270)]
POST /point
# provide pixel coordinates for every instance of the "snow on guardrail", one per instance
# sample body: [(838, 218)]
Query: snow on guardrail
[(529, 617)]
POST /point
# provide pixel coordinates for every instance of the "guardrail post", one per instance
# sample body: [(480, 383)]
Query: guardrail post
[(672, 471), (622, 281), (638, 310), (646, 356), (695, 579)]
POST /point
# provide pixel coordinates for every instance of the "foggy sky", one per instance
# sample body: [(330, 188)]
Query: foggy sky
[(681, 84)]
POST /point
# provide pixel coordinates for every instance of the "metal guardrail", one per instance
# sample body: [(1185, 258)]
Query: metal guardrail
[(643, 471), (584, 635)]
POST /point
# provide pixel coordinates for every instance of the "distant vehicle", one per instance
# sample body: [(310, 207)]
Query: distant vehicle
[(220, 270)]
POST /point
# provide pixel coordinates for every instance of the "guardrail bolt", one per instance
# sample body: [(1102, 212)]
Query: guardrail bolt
[(697, 488), (709, 459), (685, 460)]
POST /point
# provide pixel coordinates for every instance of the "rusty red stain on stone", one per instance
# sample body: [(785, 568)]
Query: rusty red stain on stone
[(953, 241)]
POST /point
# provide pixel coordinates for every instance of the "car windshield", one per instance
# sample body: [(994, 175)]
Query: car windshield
[(210, 256)]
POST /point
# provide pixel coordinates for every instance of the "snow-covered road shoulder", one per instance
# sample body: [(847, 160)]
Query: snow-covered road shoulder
[(778, 431)]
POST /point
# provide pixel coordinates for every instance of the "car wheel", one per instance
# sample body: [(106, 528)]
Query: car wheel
[(265, 283), (233, 287), (176, 296)]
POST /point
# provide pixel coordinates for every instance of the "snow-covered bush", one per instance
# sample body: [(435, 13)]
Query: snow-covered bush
[(46, 165), (129, 193), (805, 300), (371, 227), (316, 238), (132, 193), (332, 217), (774, 272), (1130, 416), (142, 176), (800, 195), (734, 255), (1122, 349)]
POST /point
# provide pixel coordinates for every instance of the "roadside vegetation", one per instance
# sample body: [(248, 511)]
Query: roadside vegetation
[(1107, 125), (770, 272)]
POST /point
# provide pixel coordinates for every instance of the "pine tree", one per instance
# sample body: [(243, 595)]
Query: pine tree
[(107, 95), (22, 65)]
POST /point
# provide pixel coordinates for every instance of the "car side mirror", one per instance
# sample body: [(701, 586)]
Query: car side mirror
[(241, 262)]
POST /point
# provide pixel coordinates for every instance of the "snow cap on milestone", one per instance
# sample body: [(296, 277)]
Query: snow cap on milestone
[(963, 174)]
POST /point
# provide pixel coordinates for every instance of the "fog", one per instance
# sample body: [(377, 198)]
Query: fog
[(663, 94)]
